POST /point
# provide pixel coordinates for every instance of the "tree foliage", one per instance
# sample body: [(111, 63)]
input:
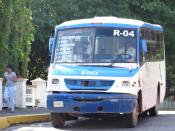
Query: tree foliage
[(16, 34), (47, 14), (16, 27)]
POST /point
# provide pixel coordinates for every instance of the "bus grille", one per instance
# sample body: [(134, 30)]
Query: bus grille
[(88, 84)]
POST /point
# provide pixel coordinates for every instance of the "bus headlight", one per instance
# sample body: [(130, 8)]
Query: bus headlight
[(125, 84), (55, 81)]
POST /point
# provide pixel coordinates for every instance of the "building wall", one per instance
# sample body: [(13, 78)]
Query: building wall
[(40, 91), (20, 97)]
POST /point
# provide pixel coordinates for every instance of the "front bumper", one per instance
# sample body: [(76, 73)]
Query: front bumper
[(91, 103)]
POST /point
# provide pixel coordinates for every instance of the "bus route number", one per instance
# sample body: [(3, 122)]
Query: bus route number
[(124, 33)]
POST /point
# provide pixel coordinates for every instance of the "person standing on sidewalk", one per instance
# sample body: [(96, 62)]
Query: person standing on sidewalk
[(10, 87)]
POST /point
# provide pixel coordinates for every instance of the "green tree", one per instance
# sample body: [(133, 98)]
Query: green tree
[(47, 14), (5, 14), (16, 34)]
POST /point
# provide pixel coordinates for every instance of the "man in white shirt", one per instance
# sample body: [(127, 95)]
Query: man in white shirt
[(10, 87), (127, 53)]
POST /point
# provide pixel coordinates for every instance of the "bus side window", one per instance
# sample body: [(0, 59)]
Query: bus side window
[(151, 44), (142, 55), (154, 44), (159, 46), (148, 39), (162, 45)]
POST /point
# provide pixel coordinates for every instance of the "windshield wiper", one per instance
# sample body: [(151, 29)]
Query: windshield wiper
[(111, 64)]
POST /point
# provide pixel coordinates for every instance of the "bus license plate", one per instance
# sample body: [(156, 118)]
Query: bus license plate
[(58, 104)]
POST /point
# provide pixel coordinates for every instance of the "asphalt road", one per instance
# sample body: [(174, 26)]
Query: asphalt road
[(164, 122)]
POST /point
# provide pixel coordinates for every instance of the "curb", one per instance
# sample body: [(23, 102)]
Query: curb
[(3, 123), (11, 120)]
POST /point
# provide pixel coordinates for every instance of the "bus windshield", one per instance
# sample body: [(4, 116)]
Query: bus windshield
[(96, 45)]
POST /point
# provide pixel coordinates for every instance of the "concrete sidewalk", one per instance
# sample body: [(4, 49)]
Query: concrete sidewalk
[(27, 115)]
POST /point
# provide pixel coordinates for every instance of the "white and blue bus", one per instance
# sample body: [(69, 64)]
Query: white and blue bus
[(104, 66)]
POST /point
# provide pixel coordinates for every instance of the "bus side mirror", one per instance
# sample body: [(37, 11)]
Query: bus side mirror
[(144, 46), (51, 44)]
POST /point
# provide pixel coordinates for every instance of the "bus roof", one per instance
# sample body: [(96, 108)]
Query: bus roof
[(108, 21)]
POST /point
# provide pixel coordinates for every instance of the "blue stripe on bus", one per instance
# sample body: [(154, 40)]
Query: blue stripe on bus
[(68, 70), (60, 27), (114, 25), (147, 25), (88, 84)]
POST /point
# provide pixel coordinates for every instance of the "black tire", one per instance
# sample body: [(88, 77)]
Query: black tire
[(71, 117), (154, 110), (132, 118), (144, 114), (57, 119)]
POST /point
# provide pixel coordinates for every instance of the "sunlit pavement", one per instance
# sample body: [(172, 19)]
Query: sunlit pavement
[(166, 112), (164, 122)]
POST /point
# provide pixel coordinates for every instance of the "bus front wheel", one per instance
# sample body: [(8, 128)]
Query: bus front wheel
[(132, 118), (57, 119), (154, 110)]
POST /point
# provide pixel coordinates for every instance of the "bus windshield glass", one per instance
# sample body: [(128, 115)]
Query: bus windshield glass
[(96, 45)]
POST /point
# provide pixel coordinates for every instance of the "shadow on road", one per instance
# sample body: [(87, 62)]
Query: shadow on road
[(163, 122), (118, 123)]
